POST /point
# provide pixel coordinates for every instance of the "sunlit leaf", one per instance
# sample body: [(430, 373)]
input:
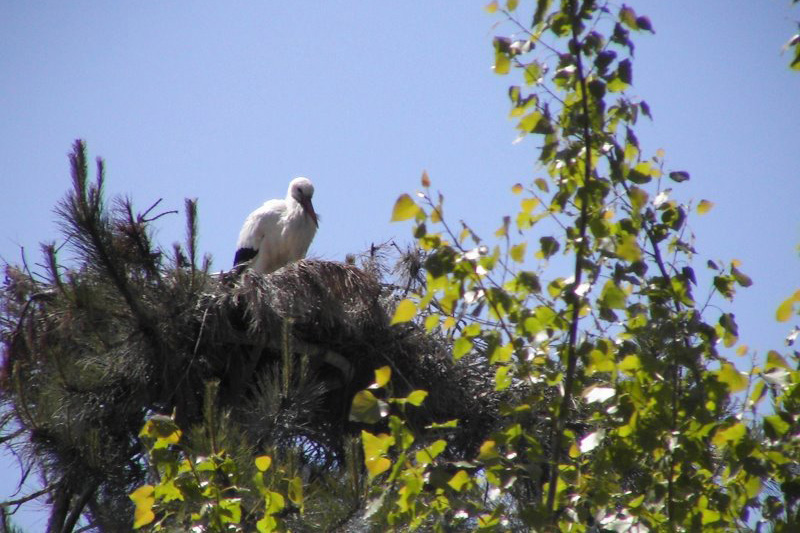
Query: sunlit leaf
[(502, 380), (735, 380), (263, 462), (613, 296), (143, 500), (375, 446), (704, 207), (404, 208), (417, 397), (731, 435), (461, 347), (458, 481), (517, 252), (429, 453), (502, 63), (405, 311), (366, 408), (295, 492), (382, 377), (784, 311)]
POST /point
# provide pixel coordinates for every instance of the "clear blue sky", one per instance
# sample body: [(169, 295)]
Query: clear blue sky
[(227, 101)]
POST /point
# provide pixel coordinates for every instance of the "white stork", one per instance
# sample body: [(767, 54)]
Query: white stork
[(280, 231)]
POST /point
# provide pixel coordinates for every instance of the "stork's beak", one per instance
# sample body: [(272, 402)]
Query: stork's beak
[(308, 207)]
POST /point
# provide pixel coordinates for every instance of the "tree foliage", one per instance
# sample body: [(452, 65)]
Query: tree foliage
[(570, 372)]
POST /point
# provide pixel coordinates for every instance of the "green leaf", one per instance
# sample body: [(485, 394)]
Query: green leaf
[(382, 377), (163, 430), (375, 446), (628, 249), (502, 63), (612, 296), (461, 347), (295, 492), (368, 409), (517, 252), (432, 321), (533, 73), (628, 17), (404, 208), (143, 499), (405, 311), (704, 207), (458, 481), (731, 377), (268, 524), (417, 397), (274, 502), (263, 462), (501, 378), (630, 364), (429, 453), (784, 311), (231, 510), (530, 121), (731, 435)]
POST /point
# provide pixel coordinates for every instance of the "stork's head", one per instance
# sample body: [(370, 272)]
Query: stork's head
[(301, 190)]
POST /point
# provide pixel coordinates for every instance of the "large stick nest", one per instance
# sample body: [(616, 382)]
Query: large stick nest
[(93, 350)]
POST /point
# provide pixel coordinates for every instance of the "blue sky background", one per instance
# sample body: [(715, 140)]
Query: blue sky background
[(227, 101)]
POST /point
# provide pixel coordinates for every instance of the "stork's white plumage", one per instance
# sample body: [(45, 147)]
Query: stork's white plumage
[(280, 231)]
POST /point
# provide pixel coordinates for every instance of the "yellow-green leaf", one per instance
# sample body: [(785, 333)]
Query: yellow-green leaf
[(517, 252), (529, 204), (404, 208), (731, 377), (417, 397), (704, 207), (461, 347), (784, 311), (730, 435), (431, 321), (382, 377), (367, 408), (502, 64), (263, 462), (458, 481), (274, 502), (429, 453), (491, 7), (143, 499), (613, 296), (516, 188), (296, 490), (628, 249), (375, 446), (405, 311), (501, 378)]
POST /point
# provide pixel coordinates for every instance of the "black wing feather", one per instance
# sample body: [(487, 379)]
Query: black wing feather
[(244, 254)]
